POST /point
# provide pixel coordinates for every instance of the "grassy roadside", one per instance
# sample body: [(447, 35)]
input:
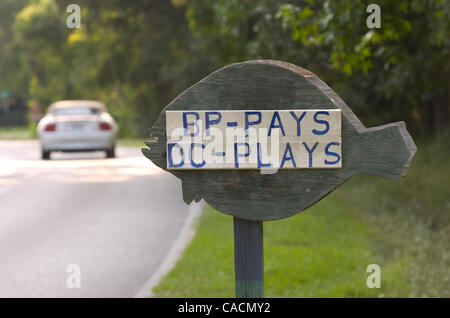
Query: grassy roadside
[(321, 253), (135, 143), (403, 226), (17, 133)]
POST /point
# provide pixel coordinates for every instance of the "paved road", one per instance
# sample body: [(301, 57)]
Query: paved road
[(115, 218)]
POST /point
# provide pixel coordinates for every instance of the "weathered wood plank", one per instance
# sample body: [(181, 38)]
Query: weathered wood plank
[(383, 151), (253, 139), (248, 258)]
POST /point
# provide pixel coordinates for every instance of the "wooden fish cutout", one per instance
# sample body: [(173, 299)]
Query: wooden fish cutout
[(384, 151)]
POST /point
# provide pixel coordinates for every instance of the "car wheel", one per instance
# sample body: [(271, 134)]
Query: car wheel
[(45, 155), (111, 153)]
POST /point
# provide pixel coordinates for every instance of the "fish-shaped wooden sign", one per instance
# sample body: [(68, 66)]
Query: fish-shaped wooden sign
[(321, 143)]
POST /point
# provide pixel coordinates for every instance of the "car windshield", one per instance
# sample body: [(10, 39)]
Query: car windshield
[(76, 110)]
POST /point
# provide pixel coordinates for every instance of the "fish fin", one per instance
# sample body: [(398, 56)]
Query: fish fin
[(386, 151)]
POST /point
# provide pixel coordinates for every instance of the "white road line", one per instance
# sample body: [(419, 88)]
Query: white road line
[(184, 237)]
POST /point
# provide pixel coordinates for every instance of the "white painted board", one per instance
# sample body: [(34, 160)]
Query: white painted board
[(254, 139)]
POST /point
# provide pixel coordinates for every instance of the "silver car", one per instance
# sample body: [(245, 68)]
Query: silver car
[(77, 125)]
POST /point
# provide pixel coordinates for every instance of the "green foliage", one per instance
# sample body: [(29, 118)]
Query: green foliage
[(137, 56), (132, 56), (397, 72)]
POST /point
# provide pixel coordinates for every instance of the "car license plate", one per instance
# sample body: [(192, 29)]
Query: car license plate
[(77, 127)]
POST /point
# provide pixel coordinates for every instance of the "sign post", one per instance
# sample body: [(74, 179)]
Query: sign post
[(248, 258), (263, 140)]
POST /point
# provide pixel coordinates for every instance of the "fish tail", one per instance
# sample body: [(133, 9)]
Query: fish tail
[(386, 151)]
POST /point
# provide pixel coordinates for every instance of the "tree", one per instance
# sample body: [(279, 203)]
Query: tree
[(400, 71), (137, 56)]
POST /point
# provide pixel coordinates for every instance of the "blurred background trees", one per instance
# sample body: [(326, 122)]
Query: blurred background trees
[(136, 56)]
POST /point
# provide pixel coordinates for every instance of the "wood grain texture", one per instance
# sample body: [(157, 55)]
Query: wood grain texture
[(384, 151), (196, 146), (248, 258)]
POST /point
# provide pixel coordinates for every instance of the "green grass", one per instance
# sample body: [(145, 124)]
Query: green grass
[(412, 215), (403, 226), (17, 133), (129, 142), (320, 253)]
